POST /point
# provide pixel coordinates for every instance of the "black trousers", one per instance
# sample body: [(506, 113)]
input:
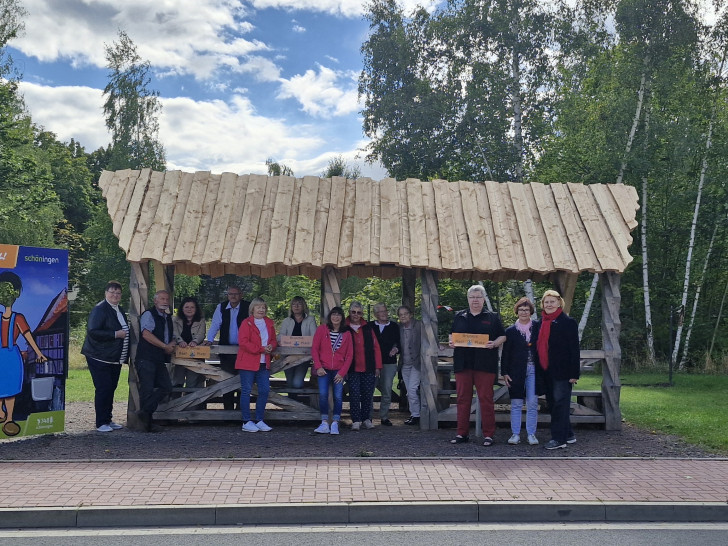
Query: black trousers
[(105, 377), (230, 399), (154, 384)]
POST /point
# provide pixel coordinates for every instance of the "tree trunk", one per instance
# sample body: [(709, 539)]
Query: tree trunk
[(635, 120), (488, 305), (517, 109), (684, 358), (645, 270), (587, 307), (717, 322)]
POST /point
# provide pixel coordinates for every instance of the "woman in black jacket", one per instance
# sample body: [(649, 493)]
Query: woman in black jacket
[(518, 368), (558, 358), (106, 348)]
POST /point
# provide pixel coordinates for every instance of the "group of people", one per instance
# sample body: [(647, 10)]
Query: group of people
[(344, 348), (539, 357)]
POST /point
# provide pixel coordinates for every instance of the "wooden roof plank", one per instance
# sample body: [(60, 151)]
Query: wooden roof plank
[(323, 204), (405, 252), (335, 219), (557, 240), (445, 227), (208, 207), (575, 231), (434, 250), (232, 228), (612, 216), (501, 227), (461, 230), (362, 232), (157, 238), (534, 215), (279, 222), (474, 226), (123, 201), (375, 223), (417, 224), (389, 236), (530, 238), (178, 217), (303, 246), (130, 218), (601, 240), (263, 240), (292, 221), (248, 231), (628, 201), (220, 217), (188, 231), (346, 241), (146, 216)]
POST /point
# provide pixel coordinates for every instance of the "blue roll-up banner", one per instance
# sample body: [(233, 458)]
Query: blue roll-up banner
[(33, 340)]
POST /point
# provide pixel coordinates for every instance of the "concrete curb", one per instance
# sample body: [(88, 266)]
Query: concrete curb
[(362, 513)]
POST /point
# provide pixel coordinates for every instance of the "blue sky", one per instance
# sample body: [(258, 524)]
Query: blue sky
[(239, 81)]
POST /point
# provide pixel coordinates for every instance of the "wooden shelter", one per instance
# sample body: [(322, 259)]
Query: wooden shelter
[(330, 228)]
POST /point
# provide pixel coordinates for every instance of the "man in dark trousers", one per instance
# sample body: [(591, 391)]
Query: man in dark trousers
[(226, 319), (153, 352)]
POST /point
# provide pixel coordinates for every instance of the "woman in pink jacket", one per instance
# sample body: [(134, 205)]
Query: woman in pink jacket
[(256, 340), (332, 352)]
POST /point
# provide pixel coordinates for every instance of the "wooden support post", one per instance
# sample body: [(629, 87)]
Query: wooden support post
[(429, 352), (330, 291), (611, 328), (139, 292), (565, 284), (164, 279), (409, 281)]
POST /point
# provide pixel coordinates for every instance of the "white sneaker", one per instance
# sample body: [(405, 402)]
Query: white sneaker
[(104, 428), (323, 428), (356, 425), (263, 427), (115, 426), (368, 424), (335, 427), (250, 427), (515, 439), (532, 440)]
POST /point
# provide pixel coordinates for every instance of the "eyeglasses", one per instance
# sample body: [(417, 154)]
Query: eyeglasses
[(356, 312), (114, 292), (233, 294), (524, 309)]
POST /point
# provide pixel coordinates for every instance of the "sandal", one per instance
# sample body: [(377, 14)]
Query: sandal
[(459, 439), (487, 441)]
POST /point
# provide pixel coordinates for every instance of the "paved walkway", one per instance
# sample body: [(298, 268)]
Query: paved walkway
[(32, 486)]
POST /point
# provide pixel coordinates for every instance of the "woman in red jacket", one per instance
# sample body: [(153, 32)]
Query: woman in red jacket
[(256, 340), (332, 352)]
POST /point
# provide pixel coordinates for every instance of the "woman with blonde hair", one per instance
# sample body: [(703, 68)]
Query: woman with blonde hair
[(558, 359)]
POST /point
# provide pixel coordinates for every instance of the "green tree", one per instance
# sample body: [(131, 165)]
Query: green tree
[(339, 167), (277, 169), (131, 109)]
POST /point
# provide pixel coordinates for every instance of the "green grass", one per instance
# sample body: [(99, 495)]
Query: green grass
[(80, 388), (694, 408)]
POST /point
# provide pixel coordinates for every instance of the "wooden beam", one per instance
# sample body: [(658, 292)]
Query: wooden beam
[(409, 281), (429, 352), (565, 284), (139, 293), (330, 291), (611, 328)]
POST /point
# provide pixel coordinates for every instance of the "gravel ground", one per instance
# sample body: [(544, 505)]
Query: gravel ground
[(191, 441)]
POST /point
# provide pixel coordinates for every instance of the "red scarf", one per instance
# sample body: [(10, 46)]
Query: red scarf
[(542, 345)]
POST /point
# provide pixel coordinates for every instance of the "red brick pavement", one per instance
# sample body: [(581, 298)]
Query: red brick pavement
[(207, 482)]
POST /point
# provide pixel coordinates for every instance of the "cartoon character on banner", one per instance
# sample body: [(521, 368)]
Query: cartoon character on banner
[(11, 362)]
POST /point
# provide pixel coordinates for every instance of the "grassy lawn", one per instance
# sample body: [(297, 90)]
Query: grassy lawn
[(80, 388), (694, 408)]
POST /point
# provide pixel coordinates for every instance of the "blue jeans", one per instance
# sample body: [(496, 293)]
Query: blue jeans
[(531, 405), (260, 378), (558, 395), (295, 376), (323, 385)]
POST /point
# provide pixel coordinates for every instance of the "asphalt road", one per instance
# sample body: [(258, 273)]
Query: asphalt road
[(665, 534)]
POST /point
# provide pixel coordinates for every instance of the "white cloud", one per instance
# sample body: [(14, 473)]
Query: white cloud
[(298, 29), (177, 36), (346, 8), (326, 93)]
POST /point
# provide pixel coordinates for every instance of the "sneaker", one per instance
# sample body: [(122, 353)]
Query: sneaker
[(532, 440), (323, 428), (115, 426), (386, 422), (250, 427), (356, 425), (553, 444), (368, 424), (104, 428), (515, 439), (263, 427), (571, 439), (413, 420), (335, 427)]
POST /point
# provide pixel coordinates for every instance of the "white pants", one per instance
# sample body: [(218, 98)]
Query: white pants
[(411, 376)]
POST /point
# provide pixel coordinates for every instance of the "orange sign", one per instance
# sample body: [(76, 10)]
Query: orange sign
[(470, 340), (296, 341), (8, 256), (201, 351)]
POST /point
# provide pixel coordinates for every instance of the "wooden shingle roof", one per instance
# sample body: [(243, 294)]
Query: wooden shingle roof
[(213, 224)]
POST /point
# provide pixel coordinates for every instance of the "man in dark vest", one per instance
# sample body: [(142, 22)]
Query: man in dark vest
[(226, 319), (153, 352)]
